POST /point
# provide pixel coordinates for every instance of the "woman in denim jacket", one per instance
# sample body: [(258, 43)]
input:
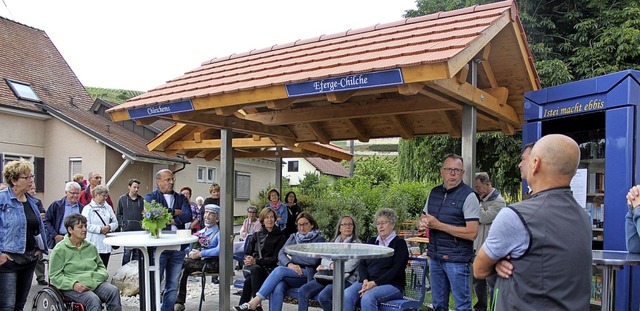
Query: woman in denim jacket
[(21, 235)]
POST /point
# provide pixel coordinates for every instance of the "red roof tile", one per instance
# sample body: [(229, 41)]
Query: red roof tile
[(422, 40), (328, 167)]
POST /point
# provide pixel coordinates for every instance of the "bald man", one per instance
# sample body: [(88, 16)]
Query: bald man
[(547, 238)]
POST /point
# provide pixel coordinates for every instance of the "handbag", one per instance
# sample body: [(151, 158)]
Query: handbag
[(324, 277), (104, 223)]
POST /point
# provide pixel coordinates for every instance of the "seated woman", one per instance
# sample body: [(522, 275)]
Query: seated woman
[(294, 271), (345, 233), (78, 271), (381, 279), (632, 220), (204, 255), (262, 256)]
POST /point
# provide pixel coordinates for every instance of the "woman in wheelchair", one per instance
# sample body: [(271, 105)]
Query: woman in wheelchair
[(76, 269)]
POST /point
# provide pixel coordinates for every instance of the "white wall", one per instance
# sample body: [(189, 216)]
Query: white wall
[(295, 177)]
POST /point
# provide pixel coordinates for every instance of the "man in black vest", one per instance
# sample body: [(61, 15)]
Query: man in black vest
[(451, 214), (547, 237)]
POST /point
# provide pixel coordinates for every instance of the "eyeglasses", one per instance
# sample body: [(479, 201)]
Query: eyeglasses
[(97, 177), (26, 177), (168, 179), (306, 224), (74, 193), (346, 225), (382, 223), (455, 171)]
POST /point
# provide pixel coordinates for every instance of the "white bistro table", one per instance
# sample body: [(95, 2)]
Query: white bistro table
[(142, 241), (609, 261), (339, 253)]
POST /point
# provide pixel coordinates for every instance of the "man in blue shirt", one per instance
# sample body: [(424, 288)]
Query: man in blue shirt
[(59, 210), (171, 261)]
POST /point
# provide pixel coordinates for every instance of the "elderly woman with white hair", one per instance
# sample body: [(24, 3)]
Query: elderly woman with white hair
[(205, 253), (100, 220)]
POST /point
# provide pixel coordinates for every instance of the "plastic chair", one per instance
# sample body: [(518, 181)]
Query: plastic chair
[(417, 284)]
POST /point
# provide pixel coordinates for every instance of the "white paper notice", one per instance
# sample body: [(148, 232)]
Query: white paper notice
[(579, 187)]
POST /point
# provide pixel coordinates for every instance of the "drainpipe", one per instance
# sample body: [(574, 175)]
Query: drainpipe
[(119, 171)]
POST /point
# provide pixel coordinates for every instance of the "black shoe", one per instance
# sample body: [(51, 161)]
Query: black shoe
[(215, 280), (243, 307), (43, 282)]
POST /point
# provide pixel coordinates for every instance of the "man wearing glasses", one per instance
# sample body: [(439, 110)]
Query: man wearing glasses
[(95, 179), (59, 210), (451, 214), (171, 261)]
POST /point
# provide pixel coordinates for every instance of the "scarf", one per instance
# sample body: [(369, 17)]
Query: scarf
[(275, 204), (347, 240), (306, 238)]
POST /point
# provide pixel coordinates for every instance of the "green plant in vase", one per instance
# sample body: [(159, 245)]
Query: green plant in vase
[(155, 217)]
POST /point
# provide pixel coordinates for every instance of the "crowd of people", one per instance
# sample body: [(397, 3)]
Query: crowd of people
[(517, 256)]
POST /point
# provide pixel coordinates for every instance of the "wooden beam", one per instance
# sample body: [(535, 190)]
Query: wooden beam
[(486, 66), (206, 144), (507, 128), (450, 120), (146, 121), (280, 103), (473, 96), (197, 137), (463, 74), (291, 144), (238, 125), (212, 155), (269, 154), (226, 111), (256, 137), (355, 125), (347, 111), (168, 134), (192, 154), (320, 134), (406, 132), (331, 151), (410, 88), (339, 97)]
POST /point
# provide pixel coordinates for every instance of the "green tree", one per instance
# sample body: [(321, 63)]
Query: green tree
[(378, 170)]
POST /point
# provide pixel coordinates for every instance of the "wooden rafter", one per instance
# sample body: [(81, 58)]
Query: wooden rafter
[(212, 155), (403, 126), (333, 152), (280, 103), (486, 66), (170, 133), (242, 126), (350, 111), (450, 120), (339, 97), (216, 144), (483, 100), (320, 134), (410, 88), (355, 125)]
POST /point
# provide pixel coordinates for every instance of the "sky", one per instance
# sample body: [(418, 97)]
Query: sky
[(140, 44)]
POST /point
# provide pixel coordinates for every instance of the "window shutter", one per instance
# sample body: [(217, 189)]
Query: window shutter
[(39, 174)]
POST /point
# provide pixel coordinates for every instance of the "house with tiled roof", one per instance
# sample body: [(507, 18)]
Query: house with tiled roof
[(295, 169), (49, 119)]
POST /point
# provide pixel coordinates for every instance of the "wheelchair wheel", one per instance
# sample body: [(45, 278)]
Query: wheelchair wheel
[(48, 299)]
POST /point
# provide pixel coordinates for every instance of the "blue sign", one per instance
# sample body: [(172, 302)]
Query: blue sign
[(345, 83), (159, 110)]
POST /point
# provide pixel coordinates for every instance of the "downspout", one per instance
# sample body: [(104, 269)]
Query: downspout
[(184, 165), (121, 169)]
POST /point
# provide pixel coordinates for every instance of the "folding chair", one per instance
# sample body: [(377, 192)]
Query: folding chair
[(417, 284)]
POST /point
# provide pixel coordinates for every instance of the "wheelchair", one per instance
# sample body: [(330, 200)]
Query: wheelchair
[(51, 299)]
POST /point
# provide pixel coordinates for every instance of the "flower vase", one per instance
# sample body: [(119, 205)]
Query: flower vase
[(154, 234)]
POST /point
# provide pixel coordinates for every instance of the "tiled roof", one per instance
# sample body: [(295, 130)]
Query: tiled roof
[(328, 167), (409, 42), (28, 55)]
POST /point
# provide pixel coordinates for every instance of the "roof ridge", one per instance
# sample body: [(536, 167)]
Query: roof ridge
[(25, 25)]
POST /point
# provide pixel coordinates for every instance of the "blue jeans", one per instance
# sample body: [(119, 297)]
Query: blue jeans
[(306, 292), (130, 254), (449, 277), (326, 296), (15, 283), (171, 262), (92, 300), (277, 283), (371, 298)]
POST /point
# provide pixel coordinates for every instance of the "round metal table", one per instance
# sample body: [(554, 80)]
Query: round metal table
[(142, 241), (609, 261), (339, 253)]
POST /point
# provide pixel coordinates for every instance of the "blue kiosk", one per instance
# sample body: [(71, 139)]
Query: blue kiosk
[(601, 115)]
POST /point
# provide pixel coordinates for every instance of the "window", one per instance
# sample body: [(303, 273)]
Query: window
[(293, 166), (206, 174), (38, 167), (23, 91), (242, 186), (75, 167)]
